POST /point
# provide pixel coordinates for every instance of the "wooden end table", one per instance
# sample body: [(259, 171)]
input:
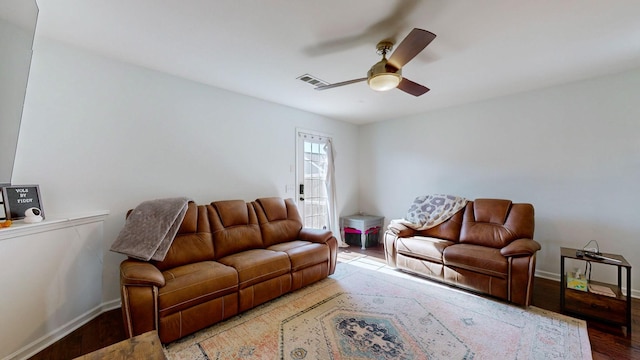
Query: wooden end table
[(614, 310), (146, 346)]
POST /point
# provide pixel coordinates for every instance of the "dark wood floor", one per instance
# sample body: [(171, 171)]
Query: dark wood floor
[(607, 342)]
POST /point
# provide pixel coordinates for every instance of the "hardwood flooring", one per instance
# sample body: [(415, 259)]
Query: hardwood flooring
[(607, 342)]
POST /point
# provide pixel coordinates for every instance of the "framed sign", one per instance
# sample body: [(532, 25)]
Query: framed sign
[(19, 198)]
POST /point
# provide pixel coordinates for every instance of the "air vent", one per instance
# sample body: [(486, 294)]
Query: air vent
[(310, 79)]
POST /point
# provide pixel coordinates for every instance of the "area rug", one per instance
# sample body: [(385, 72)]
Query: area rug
[(359, 313)]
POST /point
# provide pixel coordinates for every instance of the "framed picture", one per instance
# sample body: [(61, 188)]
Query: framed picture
[(19, 198)]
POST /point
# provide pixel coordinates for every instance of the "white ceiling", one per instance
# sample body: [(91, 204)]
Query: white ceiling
[(483, 48)]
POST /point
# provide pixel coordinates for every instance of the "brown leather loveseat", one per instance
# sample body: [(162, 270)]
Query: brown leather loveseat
[(486, 247), (227, 257)]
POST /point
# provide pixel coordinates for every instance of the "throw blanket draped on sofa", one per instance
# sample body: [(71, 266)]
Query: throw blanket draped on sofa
[(150, 229), (430, 210)]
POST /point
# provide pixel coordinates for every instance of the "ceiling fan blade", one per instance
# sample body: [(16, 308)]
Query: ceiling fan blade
[(388, 26), (348, 82), (411, 87), (410, 46)]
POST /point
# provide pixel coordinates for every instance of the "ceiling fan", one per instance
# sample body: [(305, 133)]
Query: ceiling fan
[(387, 74)]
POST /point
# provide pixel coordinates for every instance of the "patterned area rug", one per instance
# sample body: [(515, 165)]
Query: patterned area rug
[(360, 313)]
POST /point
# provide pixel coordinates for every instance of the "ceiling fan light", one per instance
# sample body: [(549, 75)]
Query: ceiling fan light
[(384, 81)]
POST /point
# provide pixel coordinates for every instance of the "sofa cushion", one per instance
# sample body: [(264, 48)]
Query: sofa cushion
[(448, 230), (193, 284), (421, 247), (491, 210), (481, 259), (193, 241), (257, 265), (232, 212), (234, 227), (496, 223), (275, 208), (303, 254), (279, 220), (189, 223)]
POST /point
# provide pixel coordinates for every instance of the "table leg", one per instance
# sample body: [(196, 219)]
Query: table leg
[(562, 285), (628, 301), (363, 239)]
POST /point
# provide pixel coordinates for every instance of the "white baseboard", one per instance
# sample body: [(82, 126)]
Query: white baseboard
[(110, 305), (547, 275), (47, 340)]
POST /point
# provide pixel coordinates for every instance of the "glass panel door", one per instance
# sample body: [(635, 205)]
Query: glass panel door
[(312, 190)]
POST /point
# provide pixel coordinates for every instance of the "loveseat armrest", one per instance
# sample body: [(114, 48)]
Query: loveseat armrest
[(520, 247), (400, 230), (321, 236), (315, 235), (140, 273)]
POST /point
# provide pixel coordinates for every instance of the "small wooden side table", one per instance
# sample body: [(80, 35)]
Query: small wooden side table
[(146, 346), (615, 310)]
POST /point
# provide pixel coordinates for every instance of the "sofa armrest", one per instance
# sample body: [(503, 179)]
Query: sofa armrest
[(315, 235), (520, 247), (400, 230), (139, 282), (134, 272)]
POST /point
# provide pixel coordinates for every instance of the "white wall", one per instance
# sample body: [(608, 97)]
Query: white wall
[(101, 134), (572, 151)]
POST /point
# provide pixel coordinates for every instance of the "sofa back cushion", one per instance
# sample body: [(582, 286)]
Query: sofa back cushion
[(496, 223), (193, 241), (279, 220), (234, 227), (448, 230)]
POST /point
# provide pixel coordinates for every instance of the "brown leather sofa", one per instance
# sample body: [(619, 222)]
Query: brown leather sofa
[(486, 247), (227, 257)]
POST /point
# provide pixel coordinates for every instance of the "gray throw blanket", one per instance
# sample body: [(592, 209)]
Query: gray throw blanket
[(151, 228), (430, 210)]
